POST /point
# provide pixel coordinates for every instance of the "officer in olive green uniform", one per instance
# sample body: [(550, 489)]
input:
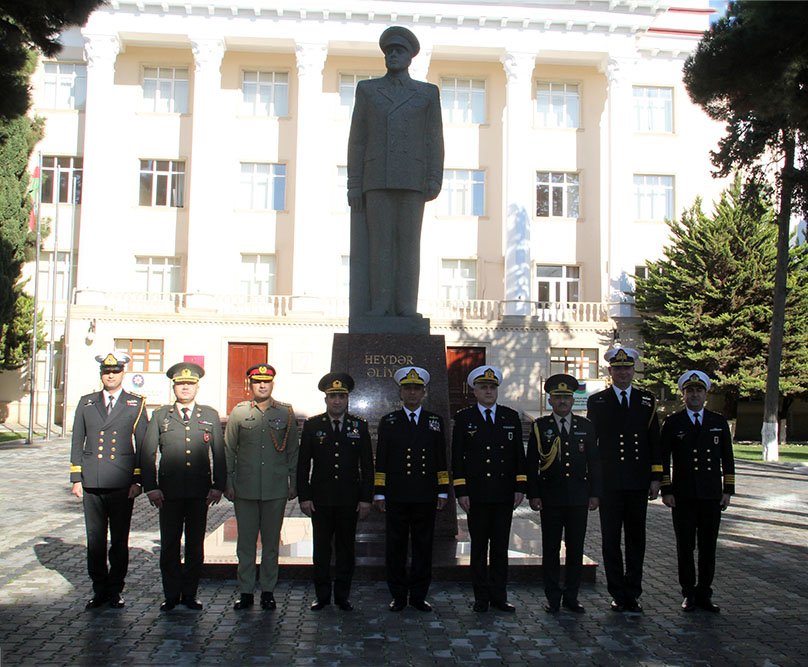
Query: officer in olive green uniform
[(563, 482), (261, 444), (189, 438), (108, 430)]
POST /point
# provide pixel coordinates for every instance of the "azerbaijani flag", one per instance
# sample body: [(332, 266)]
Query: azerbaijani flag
[(33, 192)]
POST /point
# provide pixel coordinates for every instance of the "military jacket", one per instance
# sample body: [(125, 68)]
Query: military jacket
[(105, 447), (411, 460), (488, 462), (703, 463), (628, 440), (563, 470), (335, 469), (176, 457), (262, 449)]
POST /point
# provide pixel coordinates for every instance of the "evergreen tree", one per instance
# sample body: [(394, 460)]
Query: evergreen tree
[(707, 303), (751, 71), (31, 24)]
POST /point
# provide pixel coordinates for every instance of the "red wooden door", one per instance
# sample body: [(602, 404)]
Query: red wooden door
[(459, 362), (240, 356)]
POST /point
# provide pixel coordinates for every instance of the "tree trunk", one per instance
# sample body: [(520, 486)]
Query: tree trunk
[(770, 406)]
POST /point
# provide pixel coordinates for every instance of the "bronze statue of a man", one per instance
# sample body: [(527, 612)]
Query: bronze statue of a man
[(395, 165)]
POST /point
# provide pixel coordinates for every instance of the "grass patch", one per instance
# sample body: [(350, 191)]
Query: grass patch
[(788, 453)]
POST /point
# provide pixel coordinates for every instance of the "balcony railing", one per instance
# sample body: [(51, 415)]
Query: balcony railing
[(303, 307)]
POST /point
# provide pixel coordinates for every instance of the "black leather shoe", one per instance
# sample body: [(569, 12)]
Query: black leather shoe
[(480, 605), (551, 608), (116, 601), (344, 605), (96, 601), (421, 605), (168, 605), (397, 605), (504, 606), (268, 601), (244, 602), (320, 605), (633, 607), (191, 603), (574, 606), (708, 605), (689, 604), (616, 606)]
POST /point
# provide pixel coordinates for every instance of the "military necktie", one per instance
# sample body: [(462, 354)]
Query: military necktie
[(111, 404), (185, 416), (563, 427), (624, 400), (696, 421), (336, 426), (412, 419), (488, 419)]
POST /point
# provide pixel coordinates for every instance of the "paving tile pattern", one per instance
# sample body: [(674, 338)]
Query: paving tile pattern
[(760, 584)]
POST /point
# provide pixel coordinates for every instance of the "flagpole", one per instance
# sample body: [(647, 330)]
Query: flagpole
[(66, 346), (52, 267), (32, 374)]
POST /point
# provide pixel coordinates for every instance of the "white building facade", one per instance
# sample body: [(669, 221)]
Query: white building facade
[(194, 170)]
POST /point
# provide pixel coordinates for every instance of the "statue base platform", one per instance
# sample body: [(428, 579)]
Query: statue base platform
[(450, 556)]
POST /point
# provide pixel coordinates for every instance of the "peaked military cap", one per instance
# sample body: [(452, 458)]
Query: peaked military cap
[(482, 374), (411, 375), (113, 360), (561, 384), (185, 371), (397, 34), (261, 373), (621, 356), (336, 383), (694, 378)]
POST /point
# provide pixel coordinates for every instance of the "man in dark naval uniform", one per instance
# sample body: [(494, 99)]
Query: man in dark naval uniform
[(412, 483), (703, 480), (489, 471), (108, 430), (335, 487), (627, 427), (563, 481), (189, 438)]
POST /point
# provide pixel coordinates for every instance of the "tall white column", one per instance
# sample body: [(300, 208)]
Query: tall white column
[(518, 181), (309, 167), (419, 67), (207, 203), (617, 185), (101, 177)]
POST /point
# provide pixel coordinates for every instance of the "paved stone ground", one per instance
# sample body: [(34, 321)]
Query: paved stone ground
[(760, 584)]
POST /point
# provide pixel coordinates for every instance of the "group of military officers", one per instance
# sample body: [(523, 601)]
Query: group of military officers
[(615, 460)]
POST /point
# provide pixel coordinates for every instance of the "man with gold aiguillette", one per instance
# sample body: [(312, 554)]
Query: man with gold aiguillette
[(261, 444), (563, 482)]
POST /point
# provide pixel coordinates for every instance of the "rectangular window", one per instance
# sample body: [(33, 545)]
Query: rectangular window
[(66, 188), (458, 279), (347, 89), (262, 186), (162, 183), (557, 194), (257, 275), (641, 271), (165, 89), (463, 192), (557, 284), (653, 197), (146, 355), (557, 104), (65, 86), (462, 100), (653, 109), (582, 364), (158, 276), (50, 271), (265, 93)]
